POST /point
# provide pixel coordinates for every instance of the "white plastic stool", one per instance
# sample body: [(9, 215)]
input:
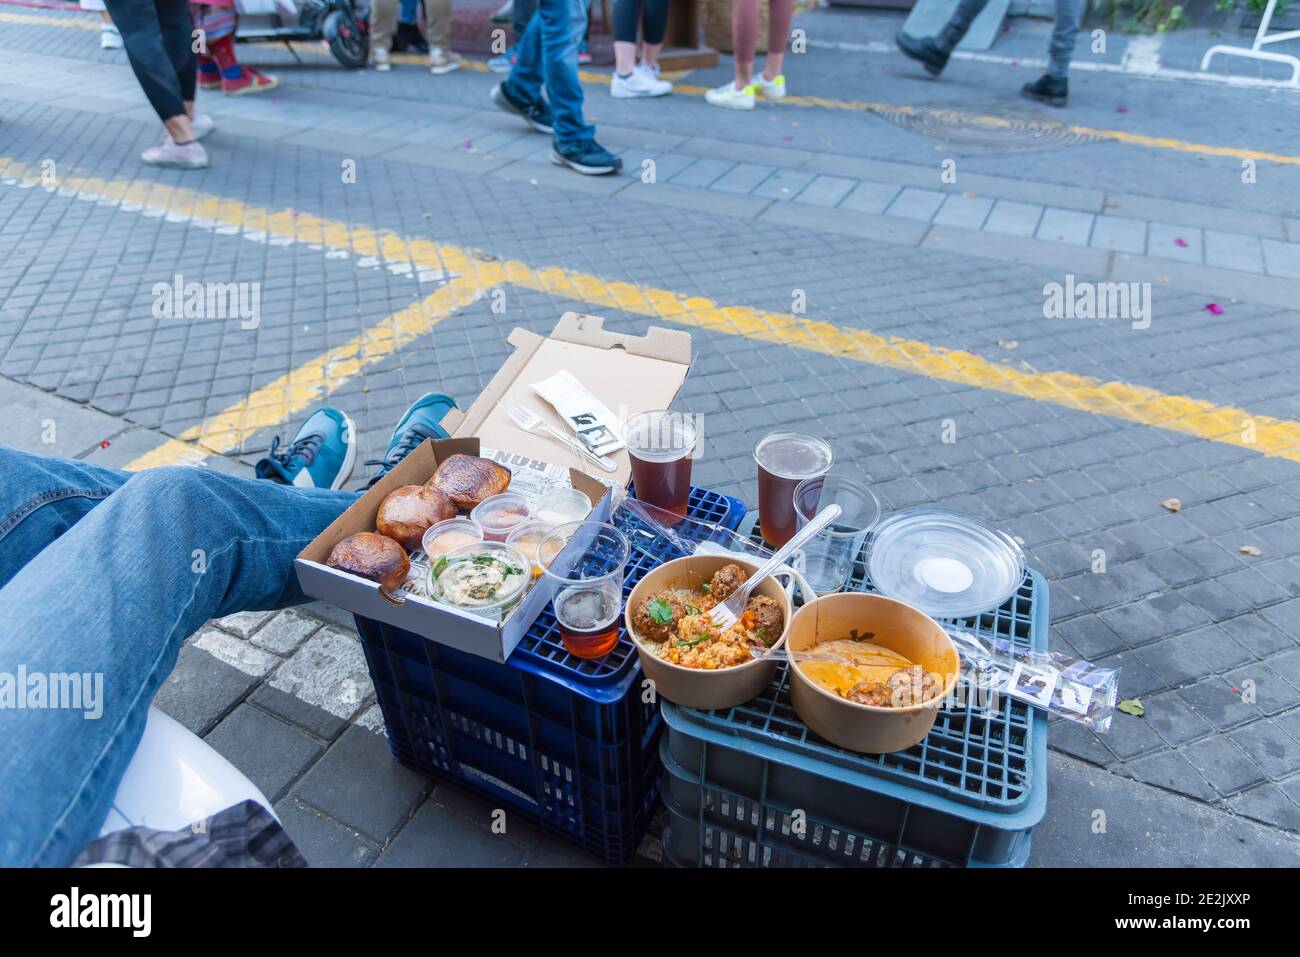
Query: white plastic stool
[(176, 779), (1256, 52)]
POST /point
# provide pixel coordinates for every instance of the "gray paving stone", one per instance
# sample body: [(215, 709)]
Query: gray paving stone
[(1274, 751), (1145, 827), (742, 178), (966, 211), (847, 222), (1120, 234), (37, 421), (1225, 766), (201, 690), (270, 752), (826, 191), (784, 184), (1065, 226), (1163, 242), (323, 842), (235, 652), (918, 204), (1268, 803), (1233, 251), (870, 197), (329, 671), (315, 721), (1172, 771), (437, 837), (1013, 218), (704, 172), (285, 632), (244, 623), (358, 783), (1282, 259)]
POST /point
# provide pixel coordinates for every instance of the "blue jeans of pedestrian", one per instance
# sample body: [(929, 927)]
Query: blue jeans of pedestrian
[(106, 573), (548, 55), (1065, 27)]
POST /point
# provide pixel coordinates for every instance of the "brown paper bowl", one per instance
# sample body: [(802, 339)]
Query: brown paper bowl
[(898, 627), (693, 687)]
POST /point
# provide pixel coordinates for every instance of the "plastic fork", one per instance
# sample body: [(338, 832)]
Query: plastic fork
[(530, 421), (725, 614)]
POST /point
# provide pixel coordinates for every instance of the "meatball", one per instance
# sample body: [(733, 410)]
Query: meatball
[(657, 617), (726, 580), (769, 619)]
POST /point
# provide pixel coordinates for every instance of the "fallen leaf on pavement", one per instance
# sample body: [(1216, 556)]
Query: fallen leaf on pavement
[(1180, 242), (1132, 706), (1172, 504), (1250, 550), (1214, 309), (1008, 343)]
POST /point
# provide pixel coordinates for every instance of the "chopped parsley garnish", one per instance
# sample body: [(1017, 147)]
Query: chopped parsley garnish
[(661, 613), (707, 588), (764, 637), (696, 641), (692, 610)]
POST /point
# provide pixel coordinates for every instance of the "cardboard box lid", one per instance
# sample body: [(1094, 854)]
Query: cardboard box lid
[(630, 374)]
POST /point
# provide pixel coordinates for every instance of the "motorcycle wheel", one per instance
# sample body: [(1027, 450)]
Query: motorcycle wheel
[(348, 40)]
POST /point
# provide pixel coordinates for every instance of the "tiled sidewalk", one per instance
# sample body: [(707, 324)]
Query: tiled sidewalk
[(839, 192)]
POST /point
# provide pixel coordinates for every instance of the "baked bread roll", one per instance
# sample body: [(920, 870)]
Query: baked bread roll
[(468, 479), (408, 512), (371, 556)]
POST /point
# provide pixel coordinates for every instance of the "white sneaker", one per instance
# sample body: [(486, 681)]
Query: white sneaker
[(202, 124), (173, 155), (110, 38), (383, 59), (640, 82), (733, 99), (773, 89), (442, 61)]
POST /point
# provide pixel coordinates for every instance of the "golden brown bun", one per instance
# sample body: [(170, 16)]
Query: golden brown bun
[(468, 479), (371, 556), (406, 514)]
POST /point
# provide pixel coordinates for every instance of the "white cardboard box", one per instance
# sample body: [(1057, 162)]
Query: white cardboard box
[(629, 374)]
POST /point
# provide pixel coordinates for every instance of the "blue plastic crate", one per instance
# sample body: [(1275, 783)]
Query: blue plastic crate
[(542, 645), (967, 795), (567, 741)]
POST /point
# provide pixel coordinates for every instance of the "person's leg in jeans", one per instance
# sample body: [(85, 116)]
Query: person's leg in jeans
[(115, 595), (959, 23), (1069, 18), (933, 52), (102, 573), (155, 58)]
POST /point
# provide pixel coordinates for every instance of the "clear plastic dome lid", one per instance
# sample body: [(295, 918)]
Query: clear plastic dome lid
[(946, 564)]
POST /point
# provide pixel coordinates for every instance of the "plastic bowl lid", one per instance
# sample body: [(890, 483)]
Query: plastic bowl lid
[(944, 563)]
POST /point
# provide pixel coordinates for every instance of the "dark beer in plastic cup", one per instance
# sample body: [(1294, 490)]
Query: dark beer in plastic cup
[(784, 460), (660, 446)]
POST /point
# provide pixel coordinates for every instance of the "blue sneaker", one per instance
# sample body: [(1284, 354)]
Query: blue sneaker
[(321, 455), (422, 420), (586, 156)]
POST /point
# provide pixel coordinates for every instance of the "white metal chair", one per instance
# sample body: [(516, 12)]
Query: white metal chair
[(1256, 52)]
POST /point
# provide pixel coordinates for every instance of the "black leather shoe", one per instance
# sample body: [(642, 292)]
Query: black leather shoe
[(1051, 90), (924, 50)]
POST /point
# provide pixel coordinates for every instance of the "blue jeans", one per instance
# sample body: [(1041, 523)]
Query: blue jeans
[(106, 573), (409, 11), (1065, 27), (548, 54)]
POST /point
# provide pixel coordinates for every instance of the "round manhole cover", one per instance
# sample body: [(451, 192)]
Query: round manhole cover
[(995, 130)]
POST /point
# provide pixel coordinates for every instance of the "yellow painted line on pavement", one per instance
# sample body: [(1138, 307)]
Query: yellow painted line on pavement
[(857, 106), (35, 19), (273, 403)]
